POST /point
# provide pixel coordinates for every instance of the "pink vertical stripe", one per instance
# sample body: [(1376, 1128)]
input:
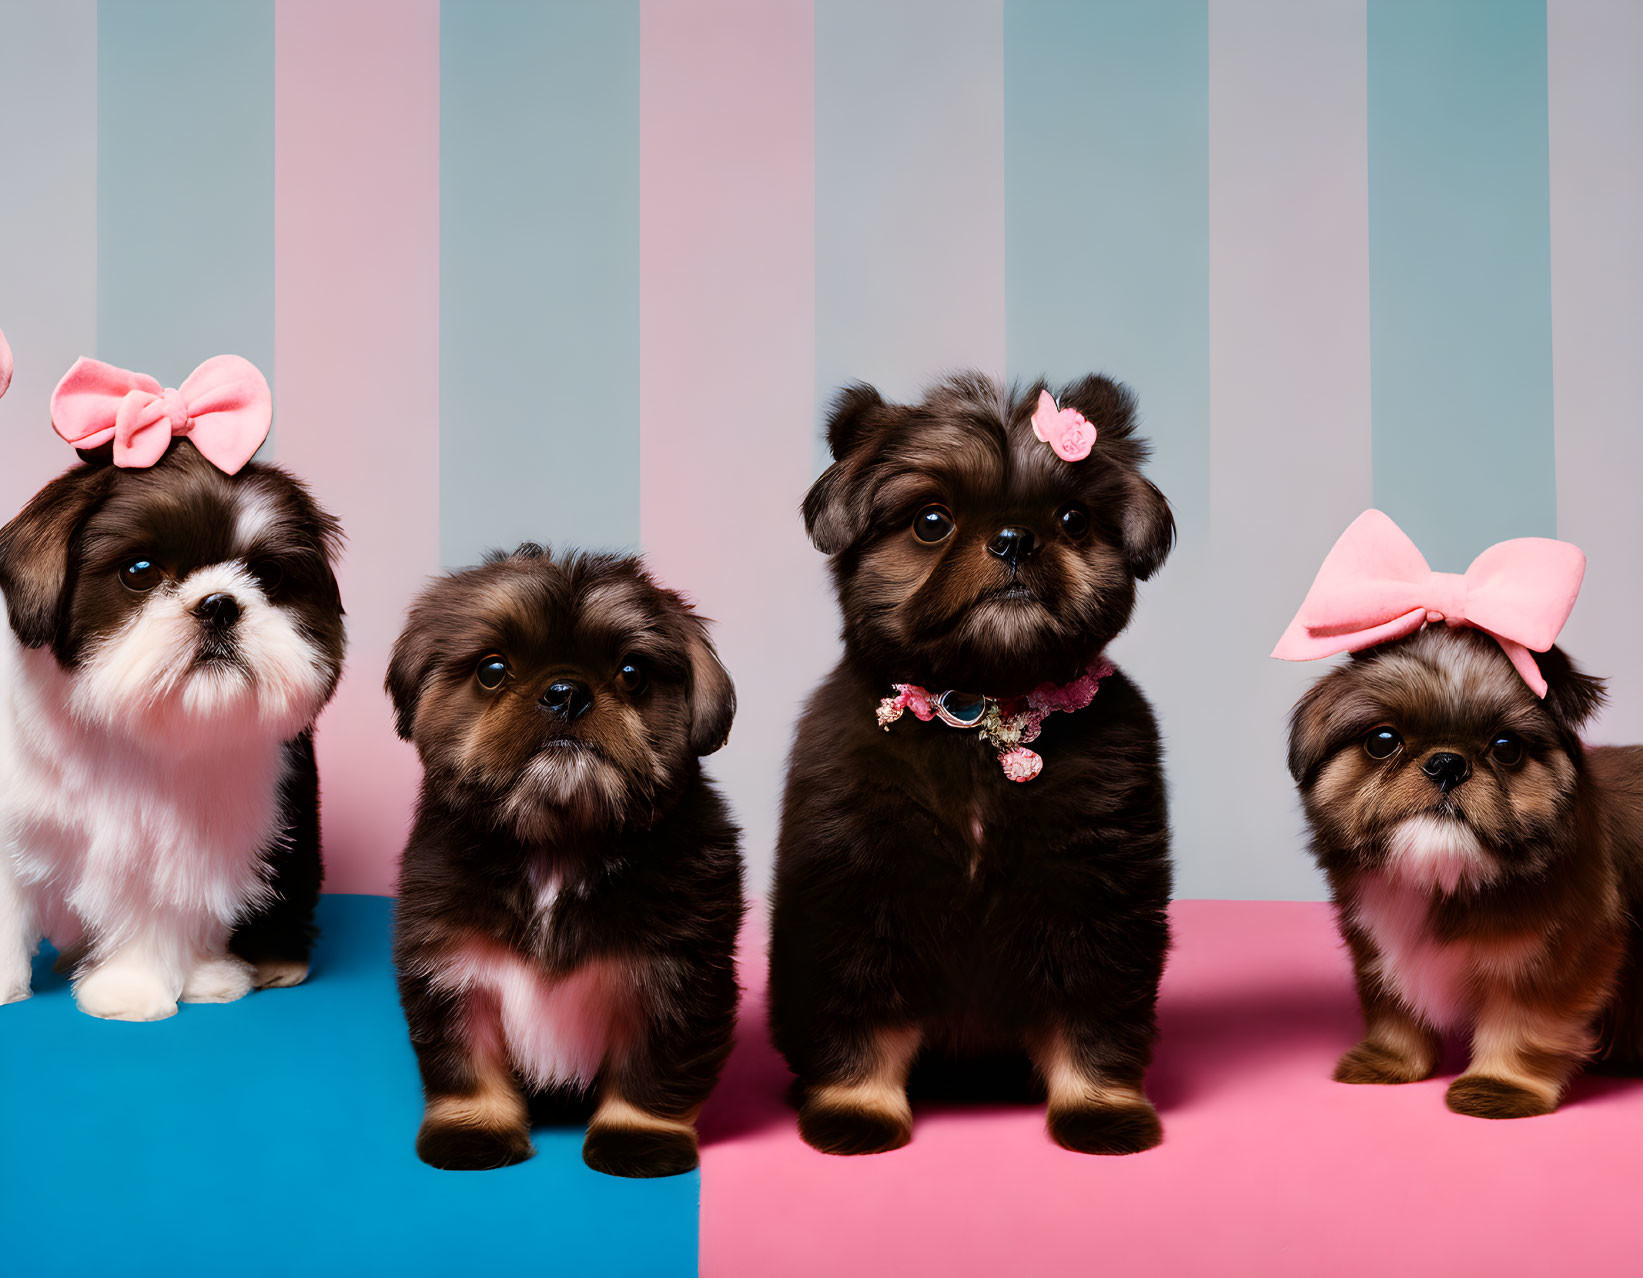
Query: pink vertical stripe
[(1595, 110), (727, 373), (357, 334)]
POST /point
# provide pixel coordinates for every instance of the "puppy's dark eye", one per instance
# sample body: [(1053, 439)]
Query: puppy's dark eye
[(141, 575), (1507, 749), (933, 524), (492, 672), (630, 677), (1382, 743), (270, 576), (1075, 521)]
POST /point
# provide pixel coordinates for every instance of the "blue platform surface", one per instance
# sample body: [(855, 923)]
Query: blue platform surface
[(274, 1136)]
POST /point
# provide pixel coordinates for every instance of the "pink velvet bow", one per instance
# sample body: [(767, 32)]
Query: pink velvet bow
[(223, 406), (5, 364), (1375, 586)]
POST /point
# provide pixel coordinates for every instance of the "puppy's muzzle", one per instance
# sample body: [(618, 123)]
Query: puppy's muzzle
[(219, 611), (1446, 770), (567, 699), (1012, 544)]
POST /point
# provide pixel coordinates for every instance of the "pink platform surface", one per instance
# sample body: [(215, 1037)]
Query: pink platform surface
[(1268, 1167)]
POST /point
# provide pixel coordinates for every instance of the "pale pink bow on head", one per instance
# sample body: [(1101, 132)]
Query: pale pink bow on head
[(1066, 430), (223, 406), (1375, 586), (5, 364)]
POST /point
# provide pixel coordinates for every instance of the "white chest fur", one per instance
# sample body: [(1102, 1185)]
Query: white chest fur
[(558, 1027), (1431, 977), (107, 835)]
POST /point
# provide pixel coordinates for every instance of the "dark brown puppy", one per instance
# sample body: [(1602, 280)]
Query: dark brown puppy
[(1485, 865), (571, 893), (926, 905)]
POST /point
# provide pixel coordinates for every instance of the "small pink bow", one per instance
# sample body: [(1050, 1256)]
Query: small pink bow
[(5, 364), (1066, 430), (223, 406), (1375, 586)]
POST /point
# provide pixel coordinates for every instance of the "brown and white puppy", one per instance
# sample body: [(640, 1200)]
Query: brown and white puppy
[(571, 893), (927, 908), (174, 632), (1487, 869)]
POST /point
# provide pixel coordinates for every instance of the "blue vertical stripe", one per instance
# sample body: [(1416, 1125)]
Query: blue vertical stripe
[(1107, 270), (1460, 272), (539, 274), (1106, 165), (185, 183)]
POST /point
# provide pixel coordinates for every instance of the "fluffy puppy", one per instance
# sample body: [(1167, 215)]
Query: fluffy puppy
[(926, 905), (571, 893), (1487, 869), (174, 632)]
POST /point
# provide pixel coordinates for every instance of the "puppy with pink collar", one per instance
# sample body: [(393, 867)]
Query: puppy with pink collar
[(175, 627)]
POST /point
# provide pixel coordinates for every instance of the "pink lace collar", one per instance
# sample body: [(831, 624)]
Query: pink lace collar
[(1008, 724)]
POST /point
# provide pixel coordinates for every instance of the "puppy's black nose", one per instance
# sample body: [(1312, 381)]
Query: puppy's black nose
[(567, 699), (1012, 544), (1446, 770), (218, 610)]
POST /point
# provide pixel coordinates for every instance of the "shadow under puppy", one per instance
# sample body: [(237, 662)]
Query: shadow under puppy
[(939, 897), (175, 629), (570, 897), (1486, 867)]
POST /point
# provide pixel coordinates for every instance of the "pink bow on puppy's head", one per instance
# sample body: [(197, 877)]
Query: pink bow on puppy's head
[(1375, 586), (5, 364), (223, 406)]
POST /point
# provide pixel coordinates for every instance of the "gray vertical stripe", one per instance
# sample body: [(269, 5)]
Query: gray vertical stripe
[(539, 275)]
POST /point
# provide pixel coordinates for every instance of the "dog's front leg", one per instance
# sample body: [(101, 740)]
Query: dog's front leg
[(138, 978), (658, 1076), (474, 1116), (1096, 1101), (215, 975), (18, 934)]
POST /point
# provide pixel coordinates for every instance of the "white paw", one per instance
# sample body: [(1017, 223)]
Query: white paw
[(278, 974), (118, 992), (218, 980), (14, 992)]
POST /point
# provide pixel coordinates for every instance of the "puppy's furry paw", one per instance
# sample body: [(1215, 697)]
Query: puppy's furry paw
[(121, 992), (639, 1152), (218, 980), (454, 1148), (835, 1129), (1479, 1096), (278, 974), (1128, 1128), (14, 992), (1372, 1063)]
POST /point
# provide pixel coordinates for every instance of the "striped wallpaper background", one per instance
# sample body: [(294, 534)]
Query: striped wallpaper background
[(583, 270)]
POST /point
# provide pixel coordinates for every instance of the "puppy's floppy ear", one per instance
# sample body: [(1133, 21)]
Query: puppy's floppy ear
[(37, 556), (1147, 526), (835, 511), (1309, 730), (415, 653), (712, 694), (1571, 695)]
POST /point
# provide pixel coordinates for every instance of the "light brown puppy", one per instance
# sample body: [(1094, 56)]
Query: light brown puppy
[(1487, 869)]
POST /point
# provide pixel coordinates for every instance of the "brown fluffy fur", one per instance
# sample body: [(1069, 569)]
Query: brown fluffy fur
[(1525, 937), (610, 806), (929, 913)]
